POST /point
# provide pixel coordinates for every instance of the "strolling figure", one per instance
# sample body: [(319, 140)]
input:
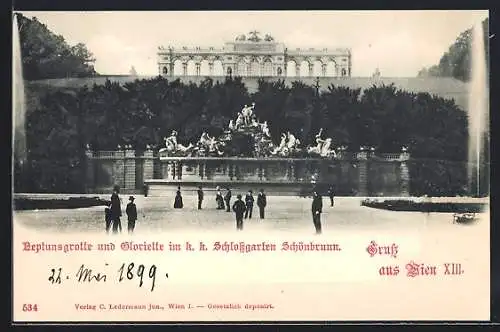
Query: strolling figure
[(261, 203), (239, 209), (227, 198), (116, 211), (178, 199), (131, 211), (331, 194), (316, 208), (219, 199), (200, 197), (249, 205)]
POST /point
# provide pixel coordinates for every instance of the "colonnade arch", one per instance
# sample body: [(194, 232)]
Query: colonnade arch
[(255, 66)]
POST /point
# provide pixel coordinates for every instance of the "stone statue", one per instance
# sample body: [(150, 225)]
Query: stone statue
[(325, 150), (265, 129), (172, 146), (254, 36), (292, 141), (319, 141), (282, 147), (268, 38), (247, 113), (231, 125), (204, 139), (322, 146), (239, 121)]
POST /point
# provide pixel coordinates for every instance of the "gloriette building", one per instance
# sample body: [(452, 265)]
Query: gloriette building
[(253, 56)]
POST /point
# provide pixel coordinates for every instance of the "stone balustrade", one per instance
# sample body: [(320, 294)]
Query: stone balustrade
[(360, 173)]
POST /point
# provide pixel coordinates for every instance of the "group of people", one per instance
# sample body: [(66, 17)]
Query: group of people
[(242, 208), (113, 214)]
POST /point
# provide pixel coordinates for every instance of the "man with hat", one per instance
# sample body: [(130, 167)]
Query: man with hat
[(131, 214), (239, 209), (249, 204), (261, 203), (316, 208), (200, 197)]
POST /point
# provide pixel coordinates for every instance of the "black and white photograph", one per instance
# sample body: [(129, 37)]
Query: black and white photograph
[(264, 124)]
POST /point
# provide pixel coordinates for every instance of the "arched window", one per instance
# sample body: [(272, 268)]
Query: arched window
[(344, 72), (267, 68), (165, 70)]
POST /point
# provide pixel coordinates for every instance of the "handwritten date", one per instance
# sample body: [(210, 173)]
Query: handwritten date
[(126, 272)]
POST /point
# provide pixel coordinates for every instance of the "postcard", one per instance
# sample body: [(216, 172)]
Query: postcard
[(251, 166)]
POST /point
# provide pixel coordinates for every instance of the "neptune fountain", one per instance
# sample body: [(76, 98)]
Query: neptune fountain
[(212, 161), (247, 124)]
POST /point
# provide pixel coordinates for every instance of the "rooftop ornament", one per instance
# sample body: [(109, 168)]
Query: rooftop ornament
[(254, 36)]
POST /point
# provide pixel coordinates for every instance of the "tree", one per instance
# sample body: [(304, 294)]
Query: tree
[(456, 62), (46, 55), (142, 112)]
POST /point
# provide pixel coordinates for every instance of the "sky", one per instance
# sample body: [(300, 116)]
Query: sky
[(399, 43)]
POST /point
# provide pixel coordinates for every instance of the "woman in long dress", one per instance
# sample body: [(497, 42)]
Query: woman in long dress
[(178, 204)]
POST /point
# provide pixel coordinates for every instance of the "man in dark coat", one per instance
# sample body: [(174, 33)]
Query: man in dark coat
[(261, 203), (178, 204), (249, 205), (131, 211), (317, 209), (200, 197), (227, 198), (116, 211), (331, 194), (239, 208)]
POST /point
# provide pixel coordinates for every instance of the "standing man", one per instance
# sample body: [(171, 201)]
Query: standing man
[(317, 207), (227, 198), (200, 197), (261, 203), (239, 208), (331, 194), (249, 205), (116, 210), (131, 211)]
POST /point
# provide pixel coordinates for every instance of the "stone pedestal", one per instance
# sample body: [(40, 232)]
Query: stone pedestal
[(90, 171), (148, 166), (190, 173), (405, 179), (363, 173), (129, 169), (119, 169)]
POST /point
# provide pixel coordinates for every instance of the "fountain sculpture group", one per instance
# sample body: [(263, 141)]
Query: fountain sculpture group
[(246, 123), (244, 156)]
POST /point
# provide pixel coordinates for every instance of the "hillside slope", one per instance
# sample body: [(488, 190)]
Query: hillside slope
[(445, 87)]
